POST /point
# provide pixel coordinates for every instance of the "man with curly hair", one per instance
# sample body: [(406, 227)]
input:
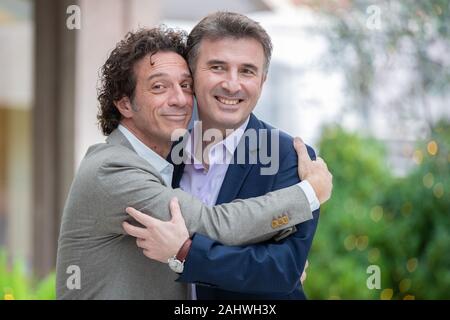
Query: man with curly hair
[(146, 94)]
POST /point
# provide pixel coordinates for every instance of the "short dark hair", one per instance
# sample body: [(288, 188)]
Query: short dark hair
[(223, 24), (117, 74)]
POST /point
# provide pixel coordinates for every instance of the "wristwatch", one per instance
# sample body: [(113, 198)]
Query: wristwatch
[(176, 263)]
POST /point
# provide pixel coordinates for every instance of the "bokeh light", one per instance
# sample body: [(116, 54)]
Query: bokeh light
[(438, 190), (428, 180), (418, 156), (376, 213), (362, 242), (432, 148), (411, 265), (350, 242), (386, 294)]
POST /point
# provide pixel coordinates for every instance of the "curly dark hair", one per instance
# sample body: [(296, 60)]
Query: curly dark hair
[(117, 75)]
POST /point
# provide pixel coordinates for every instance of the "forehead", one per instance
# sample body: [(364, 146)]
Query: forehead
[(169, 63), (232, 50)]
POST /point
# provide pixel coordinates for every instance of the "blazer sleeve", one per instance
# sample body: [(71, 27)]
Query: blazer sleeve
[(266, 267), (240, 222)]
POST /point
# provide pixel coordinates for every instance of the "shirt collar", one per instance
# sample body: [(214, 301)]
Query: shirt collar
[(231, 141), (159, 163)]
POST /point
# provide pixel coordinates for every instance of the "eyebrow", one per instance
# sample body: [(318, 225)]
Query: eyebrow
[(251, 66), (246, 65), (163, 74), (215, 61)]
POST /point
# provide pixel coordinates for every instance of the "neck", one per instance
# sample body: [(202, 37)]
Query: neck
[(161, 147), (221, 133)]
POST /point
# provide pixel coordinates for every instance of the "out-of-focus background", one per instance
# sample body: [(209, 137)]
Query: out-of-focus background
[(366, 83)]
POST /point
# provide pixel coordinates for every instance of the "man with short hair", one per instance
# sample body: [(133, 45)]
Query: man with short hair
[(229, 56), (146, 95)]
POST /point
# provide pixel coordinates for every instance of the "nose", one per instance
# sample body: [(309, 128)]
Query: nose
[(178, 97), (231, 83)]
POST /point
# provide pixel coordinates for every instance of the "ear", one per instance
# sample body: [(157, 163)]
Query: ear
[(124, 107)]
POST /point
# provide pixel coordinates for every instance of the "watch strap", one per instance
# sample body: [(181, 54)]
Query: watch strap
[(184, 250)]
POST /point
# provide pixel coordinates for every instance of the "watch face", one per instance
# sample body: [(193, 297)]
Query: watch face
[(176, 265)]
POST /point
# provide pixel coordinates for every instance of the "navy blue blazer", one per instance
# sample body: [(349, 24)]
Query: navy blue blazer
[(268, 270)]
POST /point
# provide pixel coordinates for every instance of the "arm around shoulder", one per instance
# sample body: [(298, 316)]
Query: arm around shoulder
[(236, 223)]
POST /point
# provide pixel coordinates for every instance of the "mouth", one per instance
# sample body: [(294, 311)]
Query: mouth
[(228, 102), (176, 117)]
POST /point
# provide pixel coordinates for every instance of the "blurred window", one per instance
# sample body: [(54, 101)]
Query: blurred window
[(16, 76)]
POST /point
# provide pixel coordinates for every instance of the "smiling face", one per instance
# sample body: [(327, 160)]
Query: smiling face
[(229, 77), (163, 98)]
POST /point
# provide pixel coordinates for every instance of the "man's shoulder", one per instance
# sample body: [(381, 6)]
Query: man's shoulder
[(104, 155), (285, 141), (105, 152)]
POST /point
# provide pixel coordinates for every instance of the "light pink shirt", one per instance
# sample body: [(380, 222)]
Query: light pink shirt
[(205, 184)]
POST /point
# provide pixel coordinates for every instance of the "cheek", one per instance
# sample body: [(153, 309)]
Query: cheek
[(254, 90), (207, 85), (157, 105), (190, 100)]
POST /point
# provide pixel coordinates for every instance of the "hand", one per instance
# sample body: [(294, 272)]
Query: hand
[(315, 171), (303, 276), (160, 240)]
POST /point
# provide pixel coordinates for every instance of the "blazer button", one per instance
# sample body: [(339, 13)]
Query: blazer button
[(285, 219), (274, 223)]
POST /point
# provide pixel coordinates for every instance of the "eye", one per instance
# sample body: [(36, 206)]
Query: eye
[(247, 71), (158, 87), (186, 86), (217, 68)]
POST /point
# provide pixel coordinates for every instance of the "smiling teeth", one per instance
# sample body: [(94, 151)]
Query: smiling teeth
[(228, 101)]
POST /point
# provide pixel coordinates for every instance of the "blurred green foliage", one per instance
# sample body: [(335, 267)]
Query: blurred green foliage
[(401, 225), (17, 284)]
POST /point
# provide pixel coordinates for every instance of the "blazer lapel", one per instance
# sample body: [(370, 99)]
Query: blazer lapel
[(178, 168), (178, 171), (237, 173), (233, 181)]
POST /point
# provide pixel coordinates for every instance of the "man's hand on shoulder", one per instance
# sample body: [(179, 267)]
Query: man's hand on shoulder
[(314, 171)]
